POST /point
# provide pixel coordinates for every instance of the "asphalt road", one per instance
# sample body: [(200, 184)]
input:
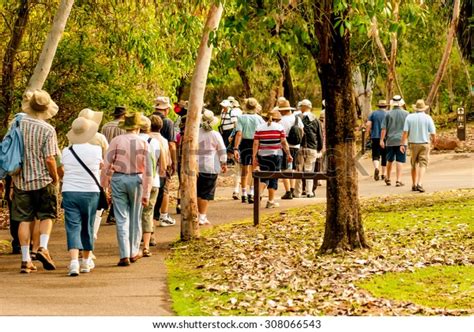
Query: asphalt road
[(141, 289)]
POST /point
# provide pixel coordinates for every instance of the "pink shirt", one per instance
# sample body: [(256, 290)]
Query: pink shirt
[(128, 154)]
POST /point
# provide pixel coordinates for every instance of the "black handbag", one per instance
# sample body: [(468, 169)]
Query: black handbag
[(103, 203)]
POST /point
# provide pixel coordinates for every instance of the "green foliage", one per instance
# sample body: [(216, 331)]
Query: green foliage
[(441, 286)]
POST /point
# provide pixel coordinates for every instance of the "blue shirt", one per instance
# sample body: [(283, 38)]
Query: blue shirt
[(393, 123), (376, 117), (419, 126), (247, 124)]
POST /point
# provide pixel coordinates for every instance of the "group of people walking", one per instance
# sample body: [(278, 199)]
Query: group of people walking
[(394, 130)]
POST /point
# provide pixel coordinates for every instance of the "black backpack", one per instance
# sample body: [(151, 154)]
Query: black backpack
[(295, 136)]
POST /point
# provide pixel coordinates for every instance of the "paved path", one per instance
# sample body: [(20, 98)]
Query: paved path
[(141, 288)]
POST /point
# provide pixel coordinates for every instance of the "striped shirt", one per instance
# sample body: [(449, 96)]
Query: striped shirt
[(40, 142), (229, 118), (269, 137), (111, 130)]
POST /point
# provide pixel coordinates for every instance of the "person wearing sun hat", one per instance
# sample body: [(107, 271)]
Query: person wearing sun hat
[(80, 192), (391, 139), (243, 144), (419, 131), (212, 159), (374, 129), (35, 187), (128, 174)]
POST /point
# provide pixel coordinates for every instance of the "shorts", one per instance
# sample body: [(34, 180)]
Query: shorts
[(394, 153), (270, 163), (419, 154), (206, 186), (246, 150), (38, 204), (378, 151), (294, 154)]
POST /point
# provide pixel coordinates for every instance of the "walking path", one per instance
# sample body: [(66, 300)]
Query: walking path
[(141, 289)]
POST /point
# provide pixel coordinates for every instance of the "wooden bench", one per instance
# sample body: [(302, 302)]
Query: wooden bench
[(291, 175)]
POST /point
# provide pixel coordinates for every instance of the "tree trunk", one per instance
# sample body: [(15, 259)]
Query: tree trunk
[(363, 92), (344, 230), (49, 49), (288, 89), (8, 66), (189, 211), (447, 52), (245, 81)]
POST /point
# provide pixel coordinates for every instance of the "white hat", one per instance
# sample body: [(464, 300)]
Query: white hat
[(208, 116), (162, 103), (38, 104), (145, 123), (231, 99), (306, 102), (82, 131), (91, 115), (226, 103), (397, 100)]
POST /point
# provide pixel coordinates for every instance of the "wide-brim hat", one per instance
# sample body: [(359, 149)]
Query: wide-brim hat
[(306, 102), (382, 103), (226, 103), (397, 101), (274, 114), (209, 117), (284, 105), (251, 105), (235, 103), (82, 131), (145, 123), (131, 121), (120, 110), (91, 115), (420, 106), (162, 103), (38, 104)]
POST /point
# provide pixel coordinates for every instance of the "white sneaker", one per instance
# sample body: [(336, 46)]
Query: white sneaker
[(204, 222), (85, 267), (73, 269), (91, 263), (167, 221), (272, 205)]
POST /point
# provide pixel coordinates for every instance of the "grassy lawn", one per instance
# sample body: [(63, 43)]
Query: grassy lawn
[(420, 262)]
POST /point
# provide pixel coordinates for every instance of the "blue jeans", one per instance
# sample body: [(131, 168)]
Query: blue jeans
[(127, 201), (79, 214)]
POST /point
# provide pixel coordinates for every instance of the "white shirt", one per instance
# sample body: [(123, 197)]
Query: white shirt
[(154, 147), (212, 152), (288, 121), (76, 177)]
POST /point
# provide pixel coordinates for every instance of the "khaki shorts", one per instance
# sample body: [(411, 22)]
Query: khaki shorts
[(420, 154)]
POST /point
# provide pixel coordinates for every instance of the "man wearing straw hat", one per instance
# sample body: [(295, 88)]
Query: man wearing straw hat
[(374, 128), (418, 129), (35, 187)]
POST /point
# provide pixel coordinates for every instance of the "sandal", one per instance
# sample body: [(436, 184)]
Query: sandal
[(146, 252), (387, 182), (399, 184)]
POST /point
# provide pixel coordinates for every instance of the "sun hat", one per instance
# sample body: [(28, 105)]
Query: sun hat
[(162, 103), (226, 103), (284, 105), (397, 100), (251, 105), (420, 106), (145, 123), (274, 114), (209, 117), (382, 103), (131, 121), (38, 104), (231, 99), (91, 115), (82, 130), (235, 103), (306, 102)]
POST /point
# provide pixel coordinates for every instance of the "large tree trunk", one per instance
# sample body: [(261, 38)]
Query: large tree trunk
[(8, 66), (344, 230), (189, 211), (288, 89), (363, 91), (49, 49), (245, 81), (447, 52)]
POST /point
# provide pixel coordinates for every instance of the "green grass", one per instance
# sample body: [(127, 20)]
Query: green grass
[(450, 287), (430, 225)]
